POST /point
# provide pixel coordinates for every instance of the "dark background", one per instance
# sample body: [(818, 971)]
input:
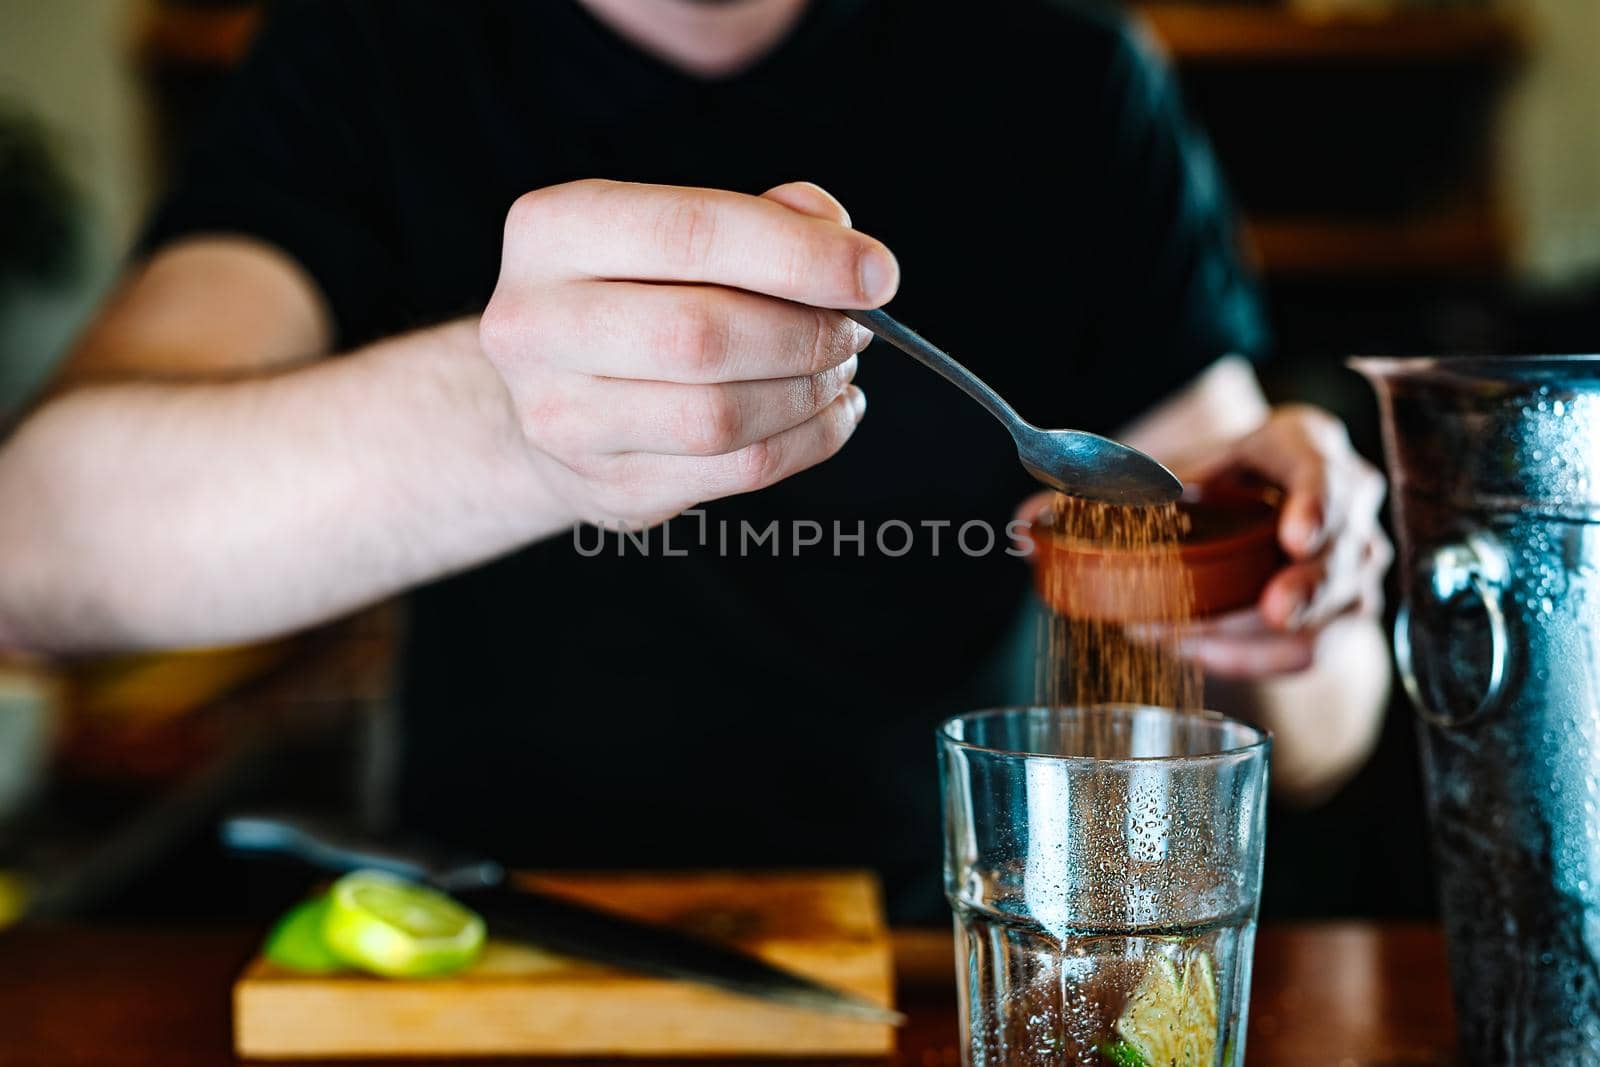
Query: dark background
[(1370, 158)]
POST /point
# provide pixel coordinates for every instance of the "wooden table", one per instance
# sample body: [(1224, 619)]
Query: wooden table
[(1329, 995)]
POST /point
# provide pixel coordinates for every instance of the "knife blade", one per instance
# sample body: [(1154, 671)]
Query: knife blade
[(555, 923)]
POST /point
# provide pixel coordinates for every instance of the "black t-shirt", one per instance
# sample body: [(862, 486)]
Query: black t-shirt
[(1059, 227)]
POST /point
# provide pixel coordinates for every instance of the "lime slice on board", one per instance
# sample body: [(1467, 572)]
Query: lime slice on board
[(1172, 1021), (296, 941), (398, 929)]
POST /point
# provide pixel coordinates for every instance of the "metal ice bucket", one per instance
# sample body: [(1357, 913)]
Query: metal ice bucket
[(1495, 466)]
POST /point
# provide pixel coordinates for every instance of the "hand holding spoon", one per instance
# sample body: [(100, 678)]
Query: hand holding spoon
[(1074, 462)]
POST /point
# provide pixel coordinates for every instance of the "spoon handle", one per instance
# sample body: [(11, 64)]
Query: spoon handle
[(924, 351)]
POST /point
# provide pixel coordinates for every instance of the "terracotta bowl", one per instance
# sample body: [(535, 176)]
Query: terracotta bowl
[(1230, 550)]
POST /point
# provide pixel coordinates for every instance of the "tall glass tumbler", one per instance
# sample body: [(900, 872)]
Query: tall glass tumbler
[(1104, 866)]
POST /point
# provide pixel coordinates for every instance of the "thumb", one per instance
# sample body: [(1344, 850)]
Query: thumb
[(808, 198), (1198, 470)]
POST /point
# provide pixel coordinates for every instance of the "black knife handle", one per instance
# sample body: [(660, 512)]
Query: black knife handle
[(332, 848)]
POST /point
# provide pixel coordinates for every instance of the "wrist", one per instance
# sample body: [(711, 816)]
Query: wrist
[(524, 479)]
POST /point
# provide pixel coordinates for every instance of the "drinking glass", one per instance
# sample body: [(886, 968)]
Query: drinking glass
[(1104, 866)]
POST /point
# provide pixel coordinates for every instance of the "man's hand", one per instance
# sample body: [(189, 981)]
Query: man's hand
[(664, 346), (1308, 661), (1329, 529)]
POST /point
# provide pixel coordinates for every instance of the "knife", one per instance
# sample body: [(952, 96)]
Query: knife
[(551, 922)]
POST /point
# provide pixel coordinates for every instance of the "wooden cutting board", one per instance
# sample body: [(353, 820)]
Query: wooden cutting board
[(519, 1001)]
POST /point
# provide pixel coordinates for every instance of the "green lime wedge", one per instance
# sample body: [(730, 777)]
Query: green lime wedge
[(398, 929), (296, 940), (1122, 1054)]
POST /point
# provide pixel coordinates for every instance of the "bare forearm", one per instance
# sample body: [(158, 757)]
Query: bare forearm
[(161, 514), (1326, 719), (613, 377)]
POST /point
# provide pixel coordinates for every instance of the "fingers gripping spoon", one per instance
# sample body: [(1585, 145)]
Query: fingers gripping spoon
[(1072, 461)]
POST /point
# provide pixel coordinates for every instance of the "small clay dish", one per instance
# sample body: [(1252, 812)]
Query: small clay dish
[(1230, 550)]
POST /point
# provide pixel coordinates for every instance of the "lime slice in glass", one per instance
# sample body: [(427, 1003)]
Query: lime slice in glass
[(1122, 1054), (398, 929), (1199, 1020), (1172, 1022), (296, 941)]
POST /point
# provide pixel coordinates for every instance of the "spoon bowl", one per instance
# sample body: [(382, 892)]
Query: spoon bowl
[(1087, 465)]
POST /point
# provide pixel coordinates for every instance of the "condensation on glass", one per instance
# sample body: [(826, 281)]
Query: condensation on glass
[(1104, 867), (1495, 472)]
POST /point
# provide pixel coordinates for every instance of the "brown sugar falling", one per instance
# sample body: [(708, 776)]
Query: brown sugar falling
[(1095, 660)]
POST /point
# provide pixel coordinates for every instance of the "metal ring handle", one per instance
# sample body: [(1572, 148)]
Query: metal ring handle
[(1499, 649)]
